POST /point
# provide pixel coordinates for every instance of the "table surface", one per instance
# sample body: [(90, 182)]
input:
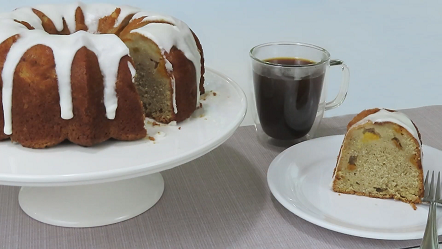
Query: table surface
[(392, 47), (220, 200)]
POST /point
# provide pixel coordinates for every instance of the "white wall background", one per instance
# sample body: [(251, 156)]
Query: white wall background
[(393, 48)]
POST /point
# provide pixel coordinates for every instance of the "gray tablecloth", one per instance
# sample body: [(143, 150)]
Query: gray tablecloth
[(220, 200)]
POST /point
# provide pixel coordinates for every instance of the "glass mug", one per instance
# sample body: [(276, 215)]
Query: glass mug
[(290, 90)]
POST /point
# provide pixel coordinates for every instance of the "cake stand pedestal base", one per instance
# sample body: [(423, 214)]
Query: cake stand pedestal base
[(92, 205)]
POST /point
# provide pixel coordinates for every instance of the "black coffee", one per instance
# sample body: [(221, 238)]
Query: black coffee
[(287, 105)]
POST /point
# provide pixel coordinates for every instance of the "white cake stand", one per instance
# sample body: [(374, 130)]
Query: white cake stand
[(73, 186)]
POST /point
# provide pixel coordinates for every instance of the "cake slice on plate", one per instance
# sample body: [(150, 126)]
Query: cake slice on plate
[(381, 157)]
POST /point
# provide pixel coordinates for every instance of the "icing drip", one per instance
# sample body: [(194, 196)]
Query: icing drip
[(108, 48), (132, 70), (175, 109), (169, 68), (173, 33), (394, 117)]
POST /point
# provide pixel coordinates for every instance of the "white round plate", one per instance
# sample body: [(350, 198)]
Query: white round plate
[(300, 179), (224, 108)]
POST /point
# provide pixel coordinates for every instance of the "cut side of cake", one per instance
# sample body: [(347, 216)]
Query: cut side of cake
[(381, 157), (166, 75)]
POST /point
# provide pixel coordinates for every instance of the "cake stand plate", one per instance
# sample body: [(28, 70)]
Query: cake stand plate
[(74, 186)]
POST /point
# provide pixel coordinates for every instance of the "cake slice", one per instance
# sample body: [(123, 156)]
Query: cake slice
[(380, 157)]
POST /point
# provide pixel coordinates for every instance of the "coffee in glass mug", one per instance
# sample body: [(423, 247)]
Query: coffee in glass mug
[(290, 88)]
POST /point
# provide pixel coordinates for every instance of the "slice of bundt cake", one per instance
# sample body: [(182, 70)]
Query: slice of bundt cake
[(381, 157)]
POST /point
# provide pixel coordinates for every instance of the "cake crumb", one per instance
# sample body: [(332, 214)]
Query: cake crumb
[(151, 138), (214, 93), (204, 96), (413, 206), (161, 134), (155, 124), (179, 128)]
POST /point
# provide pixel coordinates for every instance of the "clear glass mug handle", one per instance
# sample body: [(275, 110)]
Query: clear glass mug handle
[(344, 85)]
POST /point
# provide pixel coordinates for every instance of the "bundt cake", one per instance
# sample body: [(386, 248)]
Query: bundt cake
[(381, 157), (90, 72)]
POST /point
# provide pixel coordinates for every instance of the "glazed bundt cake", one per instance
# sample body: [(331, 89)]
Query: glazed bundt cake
[(381, 157), (90, 72)]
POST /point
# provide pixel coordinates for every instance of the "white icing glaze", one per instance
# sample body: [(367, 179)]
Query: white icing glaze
[(394, 117), (169, 68), (168, 65), (166, 36), (132, 70), (22, 14), (175, 109), (108, 48), (93, 13), (56, 12), (151, 16)]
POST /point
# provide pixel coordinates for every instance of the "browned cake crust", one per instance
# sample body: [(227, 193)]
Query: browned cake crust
[(36, 121), (381, 160)]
